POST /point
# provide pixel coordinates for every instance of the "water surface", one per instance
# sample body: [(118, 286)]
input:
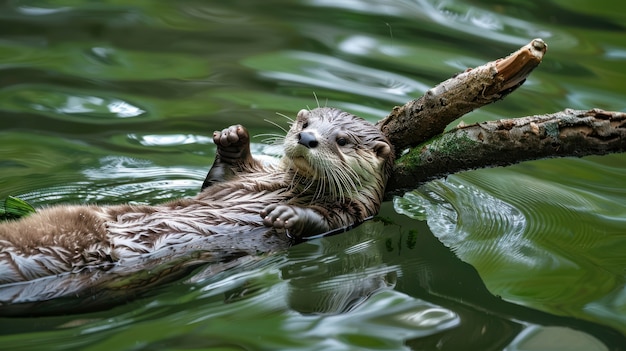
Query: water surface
[(114, 102)]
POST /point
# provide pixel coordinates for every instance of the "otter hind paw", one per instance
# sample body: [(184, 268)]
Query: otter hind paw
[(298, 220), (279, 216)]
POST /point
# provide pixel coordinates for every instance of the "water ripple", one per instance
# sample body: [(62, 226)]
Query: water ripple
[(474, 224), (332, 73), (63, 104), (462, 19), (532, 238), (152, 140), (115, 179)]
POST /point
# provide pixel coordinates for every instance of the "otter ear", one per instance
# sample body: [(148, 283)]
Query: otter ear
[(382, 149), (303, 113)]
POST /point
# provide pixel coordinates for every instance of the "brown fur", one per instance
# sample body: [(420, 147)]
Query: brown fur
[(312, 190)]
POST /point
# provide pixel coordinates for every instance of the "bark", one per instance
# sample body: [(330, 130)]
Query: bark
[(495, 143), (509, 141), (428, 116)]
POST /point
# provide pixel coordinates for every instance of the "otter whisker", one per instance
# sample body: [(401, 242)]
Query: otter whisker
[(271, 138), (334, 181), (321, 169), (334, 184), (316, 100), (277, 125), (320, 188), (304, 182), (339, 181), (344, 182), (290, 119), (346, 185), (354, 179), (294, 175)]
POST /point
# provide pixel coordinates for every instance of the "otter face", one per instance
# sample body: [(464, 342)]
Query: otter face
[(340, 150)]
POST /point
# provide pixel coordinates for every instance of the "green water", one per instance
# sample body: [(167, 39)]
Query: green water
[(115, 101)]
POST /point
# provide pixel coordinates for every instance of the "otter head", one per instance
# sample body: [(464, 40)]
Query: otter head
[(342, 154)]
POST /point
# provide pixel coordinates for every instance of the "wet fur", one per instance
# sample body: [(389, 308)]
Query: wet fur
[(218, 221)]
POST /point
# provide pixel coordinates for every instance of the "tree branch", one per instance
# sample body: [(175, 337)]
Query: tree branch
[(493, 143), (428, 116), (509, 141)]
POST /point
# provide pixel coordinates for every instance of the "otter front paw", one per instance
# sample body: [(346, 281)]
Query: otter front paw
[(298, 220), (233, 144), (233, 155)]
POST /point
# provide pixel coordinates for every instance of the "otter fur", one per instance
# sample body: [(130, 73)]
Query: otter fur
[(332, 175)]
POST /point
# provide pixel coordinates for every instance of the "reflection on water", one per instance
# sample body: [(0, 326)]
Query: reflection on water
[(90, 106), (546, 238), (116, 102)]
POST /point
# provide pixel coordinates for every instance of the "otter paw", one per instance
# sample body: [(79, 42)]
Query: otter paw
[(233, 143), (280, 216), (232, 136)]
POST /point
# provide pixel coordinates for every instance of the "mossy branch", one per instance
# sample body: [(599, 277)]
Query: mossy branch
[(508, 141), (493, 143)]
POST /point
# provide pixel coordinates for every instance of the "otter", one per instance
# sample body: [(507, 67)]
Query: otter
[(332, 175)]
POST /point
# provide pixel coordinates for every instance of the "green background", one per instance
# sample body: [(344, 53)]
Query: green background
[(115, 101)]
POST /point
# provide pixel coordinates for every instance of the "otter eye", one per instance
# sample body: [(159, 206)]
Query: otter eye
[(341, 141), (305, 124)]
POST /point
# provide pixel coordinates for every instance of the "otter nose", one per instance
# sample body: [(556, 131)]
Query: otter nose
[(307, 139)]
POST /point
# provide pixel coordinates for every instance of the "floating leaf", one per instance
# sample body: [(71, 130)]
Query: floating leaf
[(14, 208)]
